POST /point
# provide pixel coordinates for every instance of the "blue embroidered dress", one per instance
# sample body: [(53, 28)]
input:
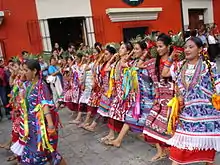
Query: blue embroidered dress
[(199, 126), (146, 92)]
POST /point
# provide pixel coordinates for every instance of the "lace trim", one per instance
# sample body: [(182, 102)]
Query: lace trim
[(192, 142), (17, 148)]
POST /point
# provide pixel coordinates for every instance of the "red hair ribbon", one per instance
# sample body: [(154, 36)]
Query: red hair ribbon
[(150, 44), (175, 48)]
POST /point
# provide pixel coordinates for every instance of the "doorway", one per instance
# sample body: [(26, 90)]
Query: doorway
[(196, 18), (66, 30), (129, 33)]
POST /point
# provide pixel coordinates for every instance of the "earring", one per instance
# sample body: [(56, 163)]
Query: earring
[(33, 78)]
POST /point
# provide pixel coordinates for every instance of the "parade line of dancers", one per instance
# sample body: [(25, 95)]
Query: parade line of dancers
[(170, 102)]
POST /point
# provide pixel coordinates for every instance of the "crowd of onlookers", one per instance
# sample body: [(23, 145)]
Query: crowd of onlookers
[(9, 68), (210, 38)]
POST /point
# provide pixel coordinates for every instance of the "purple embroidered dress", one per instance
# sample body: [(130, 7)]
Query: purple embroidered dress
[(38, 94)]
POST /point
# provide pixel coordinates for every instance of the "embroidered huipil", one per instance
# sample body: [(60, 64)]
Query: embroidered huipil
[(199, 126)]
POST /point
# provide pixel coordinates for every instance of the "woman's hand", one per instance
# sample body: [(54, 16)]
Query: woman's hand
[(175, 54), (114, 57), (181, 102), (51, 130), (82, 87)]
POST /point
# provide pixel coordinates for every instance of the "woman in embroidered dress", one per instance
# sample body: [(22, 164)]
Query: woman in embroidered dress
[(105, 101), (12, 80), (67, 92), (97, 90), (79, 75), (119, 105), (86, 89), (40, 120), (197, 134), (140, 102), (14, 103), (156, 123)]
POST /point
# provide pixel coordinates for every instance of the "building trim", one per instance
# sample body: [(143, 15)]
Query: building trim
[(207, 5), (133, 14)]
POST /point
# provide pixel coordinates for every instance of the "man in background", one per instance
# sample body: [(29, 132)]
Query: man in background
[(3, 90)]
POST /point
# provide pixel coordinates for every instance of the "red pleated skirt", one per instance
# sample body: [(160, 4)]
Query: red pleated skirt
[(82, 107), (115, 125), (93, 110), (182, 156), (14, 137), (72, 106)]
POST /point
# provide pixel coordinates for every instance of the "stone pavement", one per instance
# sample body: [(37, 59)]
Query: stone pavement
[(80, 147)]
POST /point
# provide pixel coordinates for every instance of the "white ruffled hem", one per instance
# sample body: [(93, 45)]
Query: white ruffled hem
[(195, 142), (17, 148)]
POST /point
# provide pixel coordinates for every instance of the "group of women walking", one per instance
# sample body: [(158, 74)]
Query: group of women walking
[(171, 103)]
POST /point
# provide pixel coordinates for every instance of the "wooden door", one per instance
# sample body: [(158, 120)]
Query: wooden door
[(196, 18)]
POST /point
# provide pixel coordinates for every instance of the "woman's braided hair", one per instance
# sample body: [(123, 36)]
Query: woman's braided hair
[(208, 63)]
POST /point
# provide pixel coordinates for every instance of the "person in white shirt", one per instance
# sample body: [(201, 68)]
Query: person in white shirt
[(213, 46)]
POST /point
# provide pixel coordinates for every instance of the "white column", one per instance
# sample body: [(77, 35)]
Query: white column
[(85, 33), (45, 34), (90, 31)]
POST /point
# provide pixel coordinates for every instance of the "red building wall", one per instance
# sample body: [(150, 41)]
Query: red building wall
[(216, 8), (19, 30), (106, 31)]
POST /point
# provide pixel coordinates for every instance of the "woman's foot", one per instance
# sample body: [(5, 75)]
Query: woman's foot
[(89, 128), (114, 143), (158, 157), (5, 146), (82, 125), (141, 137), (75, 121), (11, 158), (107, 138)]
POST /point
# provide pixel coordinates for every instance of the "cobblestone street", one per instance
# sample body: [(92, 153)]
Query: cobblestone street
[(80, 147)]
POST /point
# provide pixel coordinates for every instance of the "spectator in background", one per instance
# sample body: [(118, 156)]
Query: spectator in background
[(8, 72), (98, 47), (216, 31), (71, 51), (3, 89), (202, 36), (170, 33), (58, 49), (157, 33), (187, 35), (213, 46), (193, 33), (55, 79), (24, 55), (44, 67), (203, 29)]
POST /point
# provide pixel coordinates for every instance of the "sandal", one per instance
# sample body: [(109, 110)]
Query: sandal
[(7, 147), (88, 128), (11, 158), (102, 140), (75, 122), (158, 158), (83, 125), (109, 143)]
